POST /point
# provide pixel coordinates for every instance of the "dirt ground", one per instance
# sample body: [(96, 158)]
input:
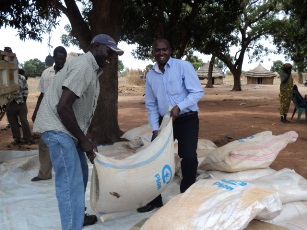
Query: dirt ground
[(222, 113)]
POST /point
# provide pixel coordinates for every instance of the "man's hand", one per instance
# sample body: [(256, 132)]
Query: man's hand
[(175, 112), (154, 135), (91, 156), (89, 148)]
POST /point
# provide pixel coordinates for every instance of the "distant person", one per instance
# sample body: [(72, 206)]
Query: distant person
[(59, 57), (285, 95), (17, 109), (173, 82), (63, 119)]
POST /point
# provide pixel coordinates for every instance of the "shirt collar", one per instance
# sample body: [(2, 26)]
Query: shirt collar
[(168, 63)]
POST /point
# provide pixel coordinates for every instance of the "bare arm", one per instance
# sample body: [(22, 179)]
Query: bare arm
[(39, 100), (69, 120)]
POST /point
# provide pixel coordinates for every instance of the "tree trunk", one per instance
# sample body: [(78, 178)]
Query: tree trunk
[(236, 80), (210, 70), (300, 77), (104, 127)]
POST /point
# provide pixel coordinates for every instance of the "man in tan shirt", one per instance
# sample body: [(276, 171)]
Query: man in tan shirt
[(63, 120)]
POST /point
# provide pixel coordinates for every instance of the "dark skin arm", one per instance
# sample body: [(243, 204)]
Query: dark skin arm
[(39, 100), (174, 114), (69, 120)]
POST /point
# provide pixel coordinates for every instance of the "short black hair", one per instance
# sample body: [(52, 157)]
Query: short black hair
[(59, 49), (165, 41), (22, 72)]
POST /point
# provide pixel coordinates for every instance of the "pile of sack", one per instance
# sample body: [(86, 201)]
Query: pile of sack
[(235, 183)]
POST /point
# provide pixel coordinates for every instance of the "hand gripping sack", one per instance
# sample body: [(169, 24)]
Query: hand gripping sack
[(124, 184)]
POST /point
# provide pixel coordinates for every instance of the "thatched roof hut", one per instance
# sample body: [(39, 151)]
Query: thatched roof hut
[(260, 75), (217, 75)]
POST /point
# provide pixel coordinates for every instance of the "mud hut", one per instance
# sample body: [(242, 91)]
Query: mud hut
[(217, 75), (260, 75)]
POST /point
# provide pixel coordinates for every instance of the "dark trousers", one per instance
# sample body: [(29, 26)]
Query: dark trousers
[(185, 129), (14, 111)]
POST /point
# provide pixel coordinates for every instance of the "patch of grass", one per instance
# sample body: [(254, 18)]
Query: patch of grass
[(135, 77)]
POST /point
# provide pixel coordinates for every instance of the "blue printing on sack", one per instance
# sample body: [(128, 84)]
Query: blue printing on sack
[(140, 163)]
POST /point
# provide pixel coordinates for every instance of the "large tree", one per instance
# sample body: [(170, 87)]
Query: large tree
[(87, 19), (290, 34), (254, 23), (179, 21)]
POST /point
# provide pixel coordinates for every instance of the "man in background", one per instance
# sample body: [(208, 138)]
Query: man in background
[(59, 57), (17, 109)]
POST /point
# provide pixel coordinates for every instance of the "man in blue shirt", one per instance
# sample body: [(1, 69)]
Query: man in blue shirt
[(174, 83)]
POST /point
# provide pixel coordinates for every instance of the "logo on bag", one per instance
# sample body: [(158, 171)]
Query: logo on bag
[(230, 184), (166, 175), (246, 139)]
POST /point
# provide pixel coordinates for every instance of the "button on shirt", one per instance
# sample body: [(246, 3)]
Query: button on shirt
[(81, 77), (178, 85)]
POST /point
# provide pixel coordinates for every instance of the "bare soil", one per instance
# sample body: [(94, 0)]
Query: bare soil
[(223, 113)]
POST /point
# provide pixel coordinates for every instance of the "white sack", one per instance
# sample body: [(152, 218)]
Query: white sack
[(124, 184), (142, 133), (291, 211), (257, 151), (203, 146), (246, 175), (216, 205), (118, 150), (297, 223), (290, 185)]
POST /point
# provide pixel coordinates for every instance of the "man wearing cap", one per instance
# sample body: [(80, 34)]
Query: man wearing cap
[(63, 119)]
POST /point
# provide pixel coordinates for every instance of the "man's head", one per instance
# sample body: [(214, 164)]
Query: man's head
[(23, 73), (161, 50), (287, 67), (103, 47), (59, 56)]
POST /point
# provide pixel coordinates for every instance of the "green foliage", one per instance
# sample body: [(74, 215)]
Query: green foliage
[(220, 65), (194, 60), (30, 18), (33, 67), (67, 39), (120, 66), (254, 22), (183, 23), (276, 66), (290, 34)]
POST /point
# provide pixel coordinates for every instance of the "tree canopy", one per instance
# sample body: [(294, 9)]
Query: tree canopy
[(254, 23), (33, 67), (211, 27)]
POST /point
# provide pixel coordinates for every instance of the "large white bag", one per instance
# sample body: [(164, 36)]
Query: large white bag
[(290, 211), (290, 185), (124, 184), (246, 175), (216, 205), (257, 151)]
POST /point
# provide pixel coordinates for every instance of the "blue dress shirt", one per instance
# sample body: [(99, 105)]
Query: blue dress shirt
[(178, 85)]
